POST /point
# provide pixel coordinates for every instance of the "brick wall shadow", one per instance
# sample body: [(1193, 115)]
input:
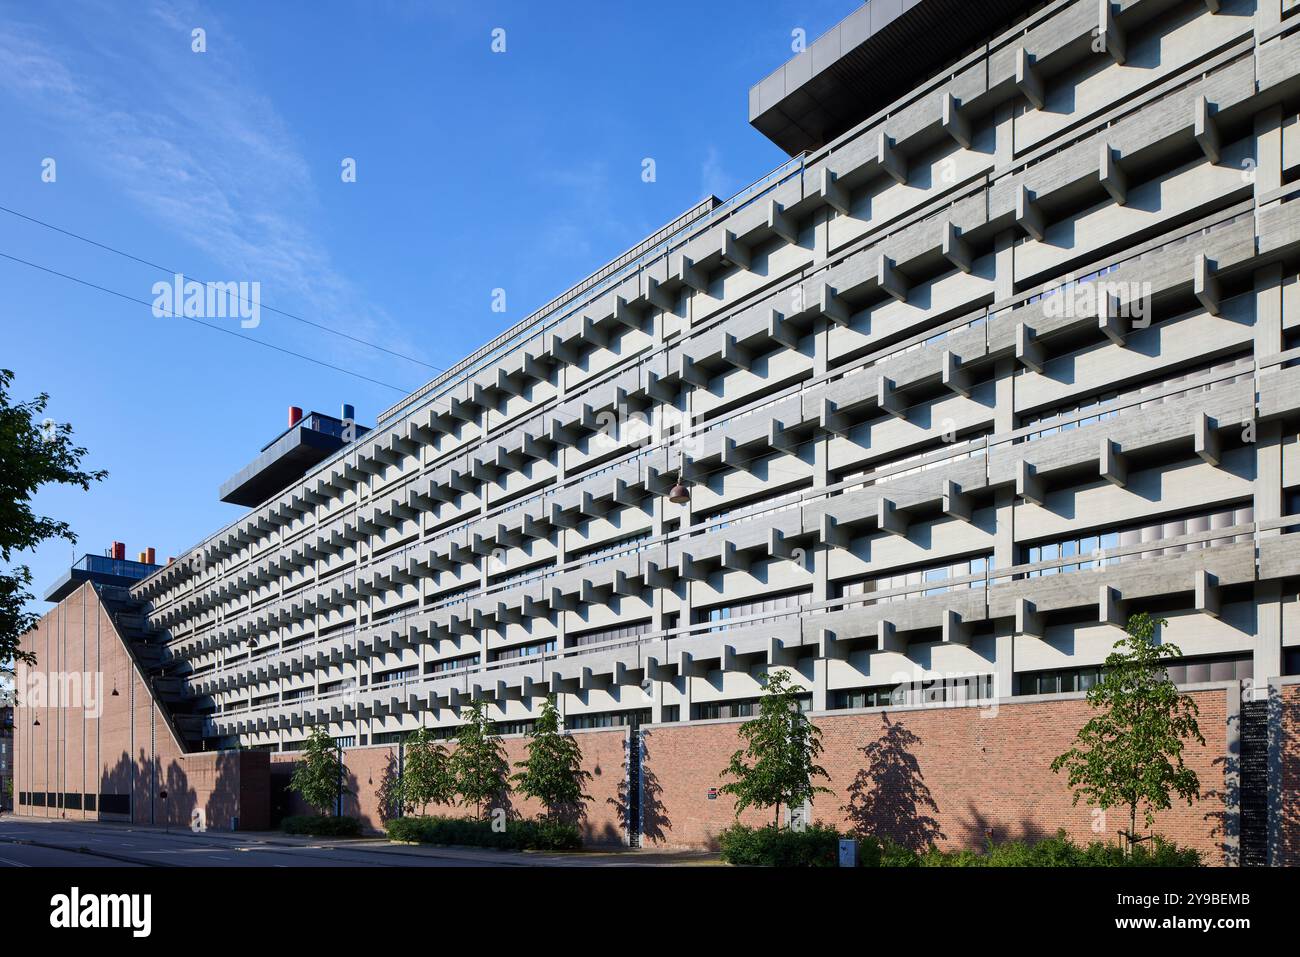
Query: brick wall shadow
[(889, 796)]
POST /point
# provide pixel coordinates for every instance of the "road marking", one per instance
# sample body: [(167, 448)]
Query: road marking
[(5, 860)]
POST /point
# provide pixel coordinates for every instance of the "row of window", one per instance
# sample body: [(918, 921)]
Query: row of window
[(1245, 373), (1182, 671), (914, 578), (609, 634), (742, 708), (776, 603), (523, 651), (1094, 544), (76, 801)]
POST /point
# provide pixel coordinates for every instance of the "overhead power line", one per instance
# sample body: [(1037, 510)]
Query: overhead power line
[(153, 265), (206, 325)]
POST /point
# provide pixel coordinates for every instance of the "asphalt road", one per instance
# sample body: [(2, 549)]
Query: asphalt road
[(76, 844), (53, 843)]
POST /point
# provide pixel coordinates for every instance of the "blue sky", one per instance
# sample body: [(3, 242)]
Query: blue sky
[(475, 171)]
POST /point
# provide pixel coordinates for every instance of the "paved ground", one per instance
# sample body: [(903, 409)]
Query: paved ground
[(36, 843)]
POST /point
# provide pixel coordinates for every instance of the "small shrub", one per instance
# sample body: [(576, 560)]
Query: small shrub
[(518, 835), (320, 825), (815, 846), (1060, 851)]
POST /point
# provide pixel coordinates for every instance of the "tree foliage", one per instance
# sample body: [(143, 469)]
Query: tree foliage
[(427, 776), (318, 773), (553, 771), (34, 452), (777, 767), (479, 762), (1130, 754)]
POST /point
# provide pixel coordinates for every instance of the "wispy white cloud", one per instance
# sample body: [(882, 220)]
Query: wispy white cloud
[(191, 141), (714, 178)]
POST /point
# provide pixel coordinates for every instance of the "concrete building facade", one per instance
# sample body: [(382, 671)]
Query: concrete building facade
[(1004, 353)]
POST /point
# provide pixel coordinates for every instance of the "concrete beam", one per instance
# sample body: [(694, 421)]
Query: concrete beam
[(1108, 31), (779, 547), (954, 121), (1208, 600), (952, 374), (780, 330), (1205, 284), (778, 437), (781, 223), (658, 296), (689, 371), (831, 420), (732, 559), (1205, 439), (956, 503), (889, 518), (690, 274), (891, 160), (828, 647), (955, 631), (833, 193), (1113, 326), (734, 354), (1029, 621), (1029, 81), (1029, 215), (1029, 484), (1111, 607), (1029, 348), (833, 307), (888, 399), (1205, 128), (1111, 174), (734, 252), (888, 638), (1112, 465), (779, 654), (955, 248), (833, 533), (891, 280)]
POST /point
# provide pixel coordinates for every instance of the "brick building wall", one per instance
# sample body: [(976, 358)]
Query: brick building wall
[(369, 772), (100, 744), (947, 775)]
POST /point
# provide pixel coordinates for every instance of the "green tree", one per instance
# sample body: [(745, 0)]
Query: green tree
[(479, 762), (427, 776), (319, 772), (1131, 753), (777, 766), (34, 452), (553, 771)]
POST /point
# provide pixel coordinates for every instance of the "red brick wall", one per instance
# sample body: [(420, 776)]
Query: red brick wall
[(979, 772), (127, 747), (1290, 797), (367, 770)]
